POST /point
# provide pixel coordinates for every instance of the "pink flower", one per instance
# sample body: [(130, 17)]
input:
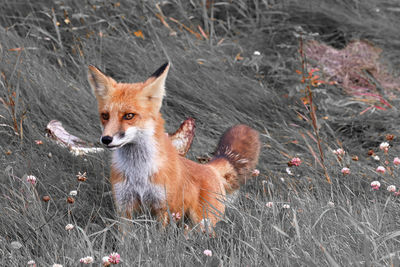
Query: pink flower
[(391, 188), (345, 171), (207, 252), (294, 162), (31, 179), (384, 146), (396, 161), (269, 204), (255, 173), (397, 193), (86, 260), (339, 152), (114, 258), (380, 169), (375, 185)]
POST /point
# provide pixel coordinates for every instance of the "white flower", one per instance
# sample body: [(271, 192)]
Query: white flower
[(207, 252), (289, 171), (86, 260), (376, 157), (106, 261), (269, 204), (376, 184), (331, 204), (57, 265), (391, 188), (339, 152), (384, 146), (73, 193), (256, 53), (31, 263), (286, 206), (69, 227)]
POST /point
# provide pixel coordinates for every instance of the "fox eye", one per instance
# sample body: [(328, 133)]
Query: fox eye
[(129, 116), (105, 116)]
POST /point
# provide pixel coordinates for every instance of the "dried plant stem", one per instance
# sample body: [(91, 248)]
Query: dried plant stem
[(54, 19), (312, 108)]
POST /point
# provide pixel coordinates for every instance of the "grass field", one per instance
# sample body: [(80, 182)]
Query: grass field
[(287, 216)]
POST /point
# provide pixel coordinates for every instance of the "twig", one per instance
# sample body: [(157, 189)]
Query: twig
[(161, 17), (198, 35)]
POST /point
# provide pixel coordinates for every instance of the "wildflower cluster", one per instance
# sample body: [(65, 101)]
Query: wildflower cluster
[(381, 169), (113, 258)]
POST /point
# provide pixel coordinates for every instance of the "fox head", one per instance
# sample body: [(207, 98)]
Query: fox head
[(127, 110)]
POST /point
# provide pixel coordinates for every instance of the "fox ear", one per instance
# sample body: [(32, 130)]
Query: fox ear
[(99, 82), (155, 85)]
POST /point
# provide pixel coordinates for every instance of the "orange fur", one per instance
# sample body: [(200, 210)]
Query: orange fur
[(196, 190)]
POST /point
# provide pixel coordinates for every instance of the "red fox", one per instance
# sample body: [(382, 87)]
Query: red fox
[(146, 169)]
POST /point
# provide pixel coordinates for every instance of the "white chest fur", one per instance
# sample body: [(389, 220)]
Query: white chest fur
[(136, 161)]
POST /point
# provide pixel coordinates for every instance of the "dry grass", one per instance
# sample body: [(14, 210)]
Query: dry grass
[(215, 78)]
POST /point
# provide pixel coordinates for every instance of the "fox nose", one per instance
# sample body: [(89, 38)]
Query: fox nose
[(106, 139)]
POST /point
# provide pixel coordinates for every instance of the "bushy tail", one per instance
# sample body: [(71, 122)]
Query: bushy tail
[(237, 155)]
